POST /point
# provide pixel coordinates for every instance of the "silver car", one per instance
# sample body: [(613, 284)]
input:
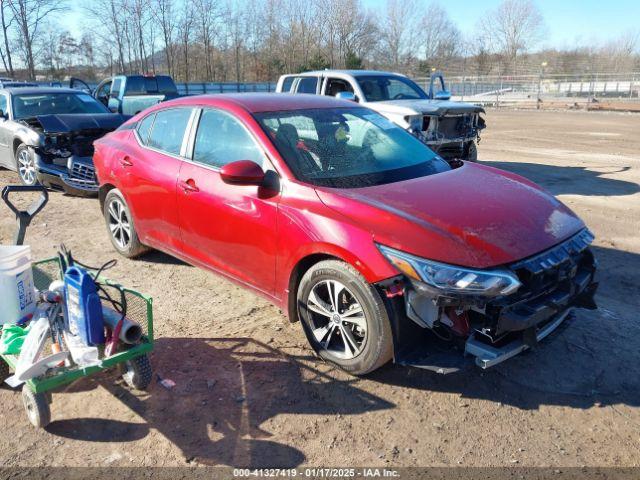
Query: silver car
[(47, 134)]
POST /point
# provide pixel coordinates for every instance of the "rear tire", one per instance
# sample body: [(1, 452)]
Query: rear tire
[(26, 165), (344, 317), (37, 407), (120, 226)]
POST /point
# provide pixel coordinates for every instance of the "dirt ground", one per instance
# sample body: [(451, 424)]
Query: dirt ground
[(249, 392)]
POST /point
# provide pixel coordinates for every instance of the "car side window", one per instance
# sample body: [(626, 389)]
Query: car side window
[(307, 85), (168, 130), (144, 127), (3, 104), (115, 87), (287, 83), (222, 139), (337, 85)]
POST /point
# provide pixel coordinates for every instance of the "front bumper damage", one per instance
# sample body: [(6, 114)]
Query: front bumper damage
[(73, 175), (447, 333)]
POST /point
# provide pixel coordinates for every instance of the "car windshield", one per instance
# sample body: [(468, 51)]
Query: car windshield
[(32, 104), (348, 147), (385, 87)]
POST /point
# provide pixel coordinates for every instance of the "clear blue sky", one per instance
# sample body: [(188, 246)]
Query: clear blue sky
[(569, 22)]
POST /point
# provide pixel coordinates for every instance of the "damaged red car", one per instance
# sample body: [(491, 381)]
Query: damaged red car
[(380, 248)]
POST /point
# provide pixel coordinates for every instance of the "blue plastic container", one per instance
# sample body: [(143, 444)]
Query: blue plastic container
[(84, 309)]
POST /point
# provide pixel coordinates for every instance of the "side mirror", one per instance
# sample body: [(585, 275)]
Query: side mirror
[(442, 95), (346, 96), (242, 172)]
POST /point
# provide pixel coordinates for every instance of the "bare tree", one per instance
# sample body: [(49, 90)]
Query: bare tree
[(29, 15), (165, 16), (185, 33), (396, 27), (437, 36), (6, 19), (513, 28)]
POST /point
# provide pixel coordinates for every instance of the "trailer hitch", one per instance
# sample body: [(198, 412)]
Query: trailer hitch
[(24, 217)]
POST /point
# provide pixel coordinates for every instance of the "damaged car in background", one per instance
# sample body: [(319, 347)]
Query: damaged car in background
[(47, 135), (451, 129)]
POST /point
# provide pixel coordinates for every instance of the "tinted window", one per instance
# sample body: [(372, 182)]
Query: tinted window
[(348, 147), (144, 127), (30, 105), (386, 87), (286, 84), (3, 104), (168, 130), (307, 85), (135, 86), (166, 85), (221, 139)]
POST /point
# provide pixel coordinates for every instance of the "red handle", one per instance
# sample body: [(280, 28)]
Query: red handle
[(126, 162), (189, 186)]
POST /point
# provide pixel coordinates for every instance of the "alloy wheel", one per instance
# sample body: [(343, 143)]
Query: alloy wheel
[(337, 320), (26, 167), (119, 225)]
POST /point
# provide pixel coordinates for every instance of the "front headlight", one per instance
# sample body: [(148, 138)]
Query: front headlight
[(450, 278)]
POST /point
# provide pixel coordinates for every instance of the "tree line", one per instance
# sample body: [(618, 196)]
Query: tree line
[(246, 41)]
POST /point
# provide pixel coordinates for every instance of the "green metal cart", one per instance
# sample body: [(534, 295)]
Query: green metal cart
[(132, 360)]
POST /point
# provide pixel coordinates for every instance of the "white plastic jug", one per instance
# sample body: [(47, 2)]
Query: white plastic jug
[(17, 293)]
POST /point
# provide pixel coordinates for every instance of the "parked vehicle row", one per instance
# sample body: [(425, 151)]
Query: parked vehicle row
[(350, 224), (358, 222)]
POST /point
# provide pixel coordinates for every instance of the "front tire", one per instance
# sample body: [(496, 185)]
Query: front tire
[(120, 227), (37, 407), (344, 317), (26, 165), (472, 153), (138, 373)]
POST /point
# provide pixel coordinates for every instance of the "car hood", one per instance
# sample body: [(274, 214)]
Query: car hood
[(474, 216), (74, 123), (425, 107)]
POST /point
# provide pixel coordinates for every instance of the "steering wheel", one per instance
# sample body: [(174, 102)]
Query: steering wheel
[(400, 96)]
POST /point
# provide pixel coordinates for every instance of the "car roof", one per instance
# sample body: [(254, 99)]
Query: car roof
[(265, 102), (353, 73), (35, 90)]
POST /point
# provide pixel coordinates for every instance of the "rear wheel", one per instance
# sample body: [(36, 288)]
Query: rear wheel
[(37, 407), (26, 165), (137, 372), (120, 225), (4, 371), (344, 317)]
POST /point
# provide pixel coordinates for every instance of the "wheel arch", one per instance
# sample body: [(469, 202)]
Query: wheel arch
[(102, 193)]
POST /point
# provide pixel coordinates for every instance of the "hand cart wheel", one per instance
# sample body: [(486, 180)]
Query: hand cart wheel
[(37, 407), (4, 370), (137, 372)]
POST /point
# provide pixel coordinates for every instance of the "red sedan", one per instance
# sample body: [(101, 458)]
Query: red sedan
[(350, 224)]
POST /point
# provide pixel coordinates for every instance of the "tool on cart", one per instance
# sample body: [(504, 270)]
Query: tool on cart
[(64, 296)]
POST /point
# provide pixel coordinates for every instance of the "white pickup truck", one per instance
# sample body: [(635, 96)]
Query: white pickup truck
[(451, 129)]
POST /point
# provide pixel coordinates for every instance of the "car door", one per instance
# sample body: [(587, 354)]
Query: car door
[(6, 156), (148, 175), (230, 228)]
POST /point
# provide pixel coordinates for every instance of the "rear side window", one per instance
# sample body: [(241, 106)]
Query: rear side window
[(286, 84), (135, 86), (168, 130), (144, 127), (307, 85), (221, 139)]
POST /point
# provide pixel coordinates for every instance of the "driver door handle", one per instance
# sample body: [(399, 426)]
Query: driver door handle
[(189, 186), (126, 161)]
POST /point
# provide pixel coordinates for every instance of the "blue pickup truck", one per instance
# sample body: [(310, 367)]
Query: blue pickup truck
[(130, 94)]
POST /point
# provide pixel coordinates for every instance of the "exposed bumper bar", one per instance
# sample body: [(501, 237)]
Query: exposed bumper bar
[(488, 356)]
